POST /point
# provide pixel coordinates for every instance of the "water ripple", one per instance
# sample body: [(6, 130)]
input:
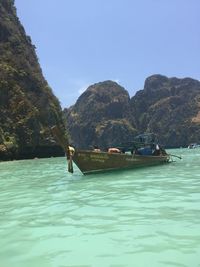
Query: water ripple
[(149, 217)]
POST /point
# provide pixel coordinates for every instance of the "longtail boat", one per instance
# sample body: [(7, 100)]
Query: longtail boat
[(142, 152), (93, 162)]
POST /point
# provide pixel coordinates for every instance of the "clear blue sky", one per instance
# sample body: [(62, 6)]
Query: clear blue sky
[(81, 42)]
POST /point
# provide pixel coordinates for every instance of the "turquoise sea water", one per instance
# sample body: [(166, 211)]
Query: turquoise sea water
[(141, 218)]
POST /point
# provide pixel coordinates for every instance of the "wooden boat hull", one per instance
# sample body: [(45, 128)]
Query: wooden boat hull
[(93, 162)]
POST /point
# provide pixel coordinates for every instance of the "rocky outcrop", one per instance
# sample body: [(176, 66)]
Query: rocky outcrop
[(27, 105), (105, 115), (100, 116), (170, 108)]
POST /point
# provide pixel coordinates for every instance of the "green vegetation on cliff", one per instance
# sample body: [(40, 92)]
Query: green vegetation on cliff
[(27, 105), (100, 116), (169, 107), (105, 115)]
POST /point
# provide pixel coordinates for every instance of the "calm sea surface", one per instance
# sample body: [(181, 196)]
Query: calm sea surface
[(142, 218)]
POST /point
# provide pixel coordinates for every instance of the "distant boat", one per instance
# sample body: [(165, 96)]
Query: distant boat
[(143, 152), (194, 145)]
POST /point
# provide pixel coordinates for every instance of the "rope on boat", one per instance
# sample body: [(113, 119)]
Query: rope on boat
[(172, 155)]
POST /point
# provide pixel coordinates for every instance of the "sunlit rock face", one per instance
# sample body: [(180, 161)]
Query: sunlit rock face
[(170, 108), (105, 115), (100, 116), (28, 107)]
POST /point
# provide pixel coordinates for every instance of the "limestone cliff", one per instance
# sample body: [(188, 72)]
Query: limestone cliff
[(105, 115), (100, 116), (169, 107), (27, 105)]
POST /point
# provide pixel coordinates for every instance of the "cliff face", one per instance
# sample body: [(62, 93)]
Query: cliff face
[(168, 107), (27, 105), (100, 116), (103, 115)]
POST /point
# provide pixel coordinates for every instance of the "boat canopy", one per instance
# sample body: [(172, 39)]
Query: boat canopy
[(141, 140), (146, 138)]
